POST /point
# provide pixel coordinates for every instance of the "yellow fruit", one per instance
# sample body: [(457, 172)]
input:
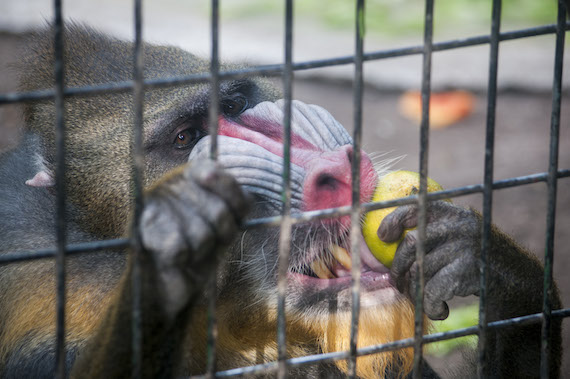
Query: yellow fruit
[(391, 186)]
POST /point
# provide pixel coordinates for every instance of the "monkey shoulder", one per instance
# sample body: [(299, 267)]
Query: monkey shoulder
[(26, 212)]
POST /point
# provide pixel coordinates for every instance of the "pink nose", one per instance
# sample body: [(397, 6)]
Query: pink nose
[(328, 180)]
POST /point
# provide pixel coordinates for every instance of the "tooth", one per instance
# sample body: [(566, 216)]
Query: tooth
[(321, 269), (341, 255)]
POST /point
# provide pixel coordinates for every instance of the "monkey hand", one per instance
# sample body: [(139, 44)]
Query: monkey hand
[(189, 218), (452, 246)]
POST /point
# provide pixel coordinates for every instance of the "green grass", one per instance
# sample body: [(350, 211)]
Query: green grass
[(460, 317), (401, 17)]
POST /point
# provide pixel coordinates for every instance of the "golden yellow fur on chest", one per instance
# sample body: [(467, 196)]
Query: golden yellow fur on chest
[(250, 338)]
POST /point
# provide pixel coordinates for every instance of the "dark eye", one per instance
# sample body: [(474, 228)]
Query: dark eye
[(187, 138), (234, 106)]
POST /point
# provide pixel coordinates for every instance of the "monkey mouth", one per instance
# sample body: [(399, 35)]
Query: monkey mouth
[(332, 265)]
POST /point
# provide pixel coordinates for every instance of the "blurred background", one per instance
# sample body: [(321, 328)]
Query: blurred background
[(253, 31)]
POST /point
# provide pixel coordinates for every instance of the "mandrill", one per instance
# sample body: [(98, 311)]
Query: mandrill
[(191, 219)]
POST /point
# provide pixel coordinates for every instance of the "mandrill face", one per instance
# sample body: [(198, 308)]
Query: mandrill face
[(190, 218), (319, 280)]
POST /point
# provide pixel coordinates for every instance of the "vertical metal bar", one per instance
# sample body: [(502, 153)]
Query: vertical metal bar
[(488, 182), (138, 169), (355, 231), (61, 236), (213, 125), (285, 233), (214, 81), (552, 188), (422, 196)]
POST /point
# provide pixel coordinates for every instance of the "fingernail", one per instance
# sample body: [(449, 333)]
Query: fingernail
[(401, 285), (381, 233)]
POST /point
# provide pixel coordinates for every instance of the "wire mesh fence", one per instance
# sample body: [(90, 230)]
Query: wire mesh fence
[(286, 220)]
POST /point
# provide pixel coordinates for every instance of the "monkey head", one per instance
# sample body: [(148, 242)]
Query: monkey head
[(319, 276), (191, 218), (175, 130)]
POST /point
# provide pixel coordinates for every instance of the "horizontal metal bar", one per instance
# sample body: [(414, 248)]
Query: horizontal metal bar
[(85, 247), (395, 345), (272, 70), (88, 247), (432, 196)]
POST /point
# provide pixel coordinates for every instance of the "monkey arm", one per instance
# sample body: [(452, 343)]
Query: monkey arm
[(515, 288), (108, 353), (451, 266), (189, 217)]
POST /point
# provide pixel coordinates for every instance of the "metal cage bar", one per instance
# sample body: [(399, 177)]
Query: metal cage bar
[(276, 69), (422, 196), (138, 85), (286, 225), (395, 345), (488, 183), (61, 237), (214, 79), (89, 247), (355, 183), (137, 180), (213, 130), (552, 189)]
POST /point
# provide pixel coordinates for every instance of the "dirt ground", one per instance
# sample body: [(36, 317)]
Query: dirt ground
[(456, 154)]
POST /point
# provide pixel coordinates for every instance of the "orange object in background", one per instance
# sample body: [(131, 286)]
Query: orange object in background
[(446, 108)]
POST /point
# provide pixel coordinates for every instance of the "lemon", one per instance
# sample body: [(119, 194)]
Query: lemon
[(391, 186)]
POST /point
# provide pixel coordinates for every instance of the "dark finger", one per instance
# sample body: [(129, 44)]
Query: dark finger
[(406, 217), (405, 256), (169, 228), (211, 177), (437, 310), (209, 208), (434, 261), (434, 307), (393, 225), (441, 288)]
